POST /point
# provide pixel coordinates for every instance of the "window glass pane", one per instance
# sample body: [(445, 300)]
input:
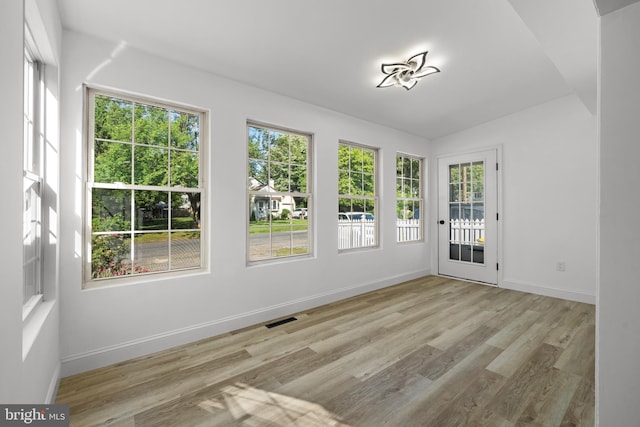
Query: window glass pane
[(152, 210), (454, 174), (151, 166), (368, 185), (185, 131), (279, 177), (415, 188), (478, 211), (151, 125), (368, 161), (279, 147), (258, 143), (298, 150), (356, 183), (299, 179), (151, 252), (356, 159), (406, 187), (406, 167), (344, 182), (185, 168), (454, 192), (343, 158), (112, 118), (415, 168), (478, 191), (399, 190), (112, 162), (344, 205), (358, 205), (110, 255), (185, 210), (111, 210), (401, 210), (185, 249), (258, 173)]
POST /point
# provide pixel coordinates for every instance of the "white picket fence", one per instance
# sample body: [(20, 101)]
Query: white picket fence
[(359, 234), (467, 231), (407, 230)]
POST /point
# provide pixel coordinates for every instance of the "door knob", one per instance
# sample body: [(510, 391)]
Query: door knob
[(441, 221)]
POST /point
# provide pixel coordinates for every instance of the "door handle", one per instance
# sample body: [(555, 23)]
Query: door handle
[(441, 221)]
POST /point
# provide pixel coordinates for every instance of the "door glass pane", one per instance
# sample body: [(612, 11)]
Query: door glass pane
[(466, 212)]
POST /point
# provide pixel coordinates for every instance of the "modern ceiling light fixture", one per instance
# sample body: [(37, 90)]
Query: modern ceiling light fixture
[(407, 74)]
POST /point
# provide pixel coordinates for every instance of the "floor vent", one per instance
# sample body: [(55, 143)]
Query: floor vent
[(280, 322)]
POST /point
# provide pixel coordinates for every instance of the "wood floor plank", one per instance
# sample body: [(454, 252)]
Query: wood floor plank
[(433, 351), (467, 408), (450, 358), (581, 410), (512, 399), (424, 408), (548, 406)]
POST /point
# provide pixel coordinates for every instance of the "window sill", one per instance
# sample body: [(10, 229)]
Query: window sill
[(33, 325), (30, 306)]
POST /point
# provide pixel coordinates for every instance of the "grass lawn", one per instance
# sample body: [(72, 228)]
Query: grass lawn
[(277, 225)]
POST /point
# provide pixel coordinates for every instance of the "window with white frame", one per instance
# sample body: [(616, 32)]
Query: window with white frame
[(32, 182), (279, 187), (357, 196), (145, 187), (408, 198)]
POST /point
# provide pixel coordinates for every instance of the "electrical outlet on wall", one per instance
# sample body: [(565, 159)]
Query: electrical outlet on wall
[(561, 266)]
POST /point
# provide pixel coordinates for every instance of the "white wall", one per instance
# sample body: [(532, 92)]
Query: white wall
[(618, 335), (29, 354), (109, 324), (549, 195)]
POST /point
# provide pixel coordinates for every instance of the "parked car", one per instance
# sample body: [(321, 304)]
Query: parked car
[(300, 213)]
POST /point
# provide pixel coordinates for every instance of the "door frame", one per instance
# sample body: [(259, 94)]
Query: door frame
[(499, 193)]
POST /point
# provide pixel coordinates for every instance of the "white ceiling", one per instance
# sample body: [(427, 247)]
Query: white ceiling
[(496, 57)]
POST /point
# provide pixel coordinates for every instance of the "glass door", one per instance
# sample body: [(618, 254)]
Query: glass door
[(467, 230)]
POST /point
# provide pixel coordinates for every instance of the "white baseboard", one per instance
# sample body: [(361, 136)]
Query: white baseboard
[(53, 385), (548, 291), (127, 350)]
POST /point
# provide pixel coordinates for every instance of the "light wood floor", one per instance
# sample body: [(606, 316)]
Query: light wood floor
[(430, 352)]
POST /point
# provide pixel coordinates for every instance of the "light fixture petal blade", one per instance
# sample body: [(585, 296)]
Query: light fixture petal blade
[(419, 60), (394, 68), (425, 71), (390, 80), (408, 84)]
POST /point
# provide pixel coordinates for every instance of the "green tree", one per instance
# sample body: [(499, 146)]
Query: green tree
[(356, 178), (162, 144), (279, 157)]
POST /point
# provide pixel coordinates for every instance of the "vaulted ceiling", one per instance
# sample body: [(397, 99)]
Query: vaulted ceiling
[(496, 57)]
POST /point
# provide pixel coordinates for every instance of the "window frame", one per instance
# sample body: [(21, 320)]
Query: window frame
[(308, 195), (33, 174), (375, 198), (90, 92), (419, 199)]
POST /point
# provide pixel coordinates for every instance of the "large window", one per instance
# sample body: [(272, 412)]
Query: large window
[(32, 183), (279, 193), (357, 196), (145, 187), (408, 198)]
